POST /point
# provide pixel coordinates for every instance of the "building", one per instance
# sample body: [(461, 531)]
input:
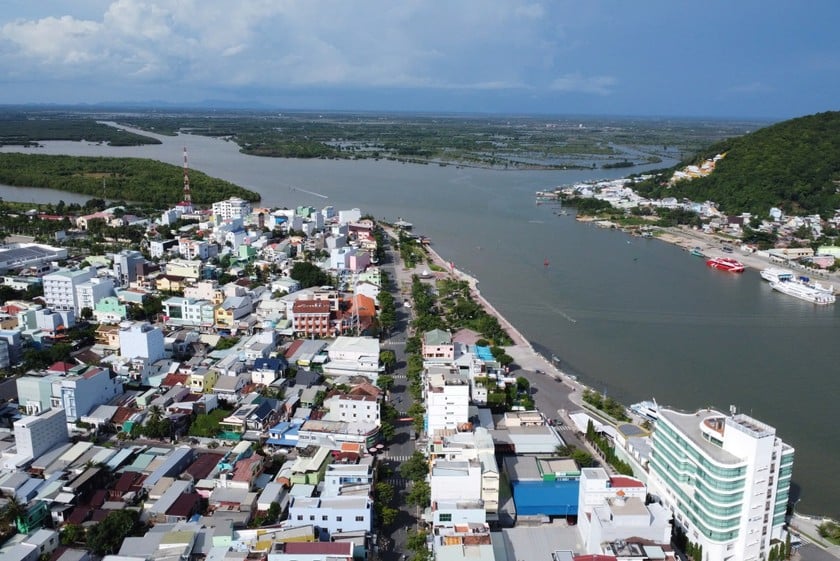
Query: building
[(447, 400), (188, 311), (22, 255), (233, 207), (311, 318), (184, 268), (612, 509), (88, 294), (110, 310), (344, 407), (438, 346), (60, 292), (127, 263), (543, 485), (455, 480), (353, 356), (36, 435), (141, 340), (197, 249), (79, 394), (333, 515), (725, 478)]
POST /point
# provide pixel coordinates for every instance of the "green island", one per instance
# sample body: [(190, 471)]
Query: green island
[(793, 165), (132, 179), (26, 130)]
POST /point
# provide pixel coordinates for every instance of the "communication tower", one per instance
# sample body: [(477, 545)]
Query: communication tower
[(187, 196)]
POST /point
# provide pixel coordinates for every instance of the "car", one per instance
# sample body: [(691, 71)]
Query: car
[(538, 371)]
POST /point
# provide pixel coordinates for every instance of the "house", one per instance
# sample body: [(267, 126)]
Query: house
[(344, 407), (312, 318), (232, 309), (353, 356), (310, 465), (333, 515), (227, 388), (267, 370)]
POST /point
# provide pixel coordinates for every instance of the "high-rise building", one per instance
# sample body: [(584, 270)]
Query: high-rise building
[(233, 207), (35, 436), (725, 478), (125, 267), (60, 288)]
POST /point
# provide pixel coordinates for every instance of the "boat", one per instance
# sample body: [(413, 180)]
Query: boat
[(647, 409), (697, 252), (726, 264), (775, 274), (819, 296)]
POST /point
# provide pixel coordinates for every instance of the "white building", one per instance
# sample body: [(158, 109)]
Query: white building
[(725, 478), (447, 400), (612, 508), (341, 479), (196, 249), (455, 480), (141, 340), (36, 435), (79, 395), (233, 207), (343, 407), (89, 293), (353, 356), (188, 311), (60, 288), (332, 514), (349, 216)]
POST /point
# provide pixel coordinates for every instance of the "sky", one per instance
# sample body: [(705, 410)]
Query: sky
[(769, 59)]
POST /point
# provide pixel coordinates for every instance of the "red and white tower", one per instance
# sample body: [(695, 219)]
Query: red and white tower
[(187, 202)]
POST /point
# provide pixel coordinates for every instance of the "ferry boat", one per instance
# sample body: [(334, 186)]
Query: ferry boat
[(819, 296), (697, 252), (775, 274), (726, 264), (647, 409)]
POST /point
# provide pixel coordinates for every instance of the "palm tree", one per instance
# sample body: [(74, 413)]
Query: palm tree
[(14, 510)]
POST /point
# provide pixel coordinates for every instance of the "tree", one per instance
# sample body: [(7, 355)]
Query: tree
[(583, 458), (385, 382), (86, 313), (309, 275), (72, 534), (419, 495), (106, 537), (388, 359), (416, 467)]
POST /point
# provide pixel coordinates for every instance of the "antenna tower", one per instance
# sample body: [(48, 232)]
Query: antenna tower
[(187, 197)]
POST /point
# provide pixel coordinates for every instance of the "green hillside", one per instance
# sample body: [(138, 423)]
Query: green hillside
[(793, 165)]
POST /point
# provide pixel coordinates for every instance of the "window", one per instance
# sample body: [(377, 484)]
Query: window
[(338, 519), (446, 517), (325, 518), (300, 517), (312, 517), (360, 519)]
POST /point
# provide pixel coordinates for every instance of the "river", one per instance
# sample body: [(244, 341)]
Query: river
[(634, 318)]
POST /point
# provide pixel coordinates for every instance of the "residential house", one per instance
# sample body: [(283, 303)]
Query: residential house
[(333, 515), (312, 318)]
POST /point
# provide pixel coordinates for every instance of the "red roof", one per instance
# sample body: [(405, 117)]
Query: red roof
[(174, 379), (619, 481), (293, 347), (61, 367), (185, 505), (203, 465), (311, 307)]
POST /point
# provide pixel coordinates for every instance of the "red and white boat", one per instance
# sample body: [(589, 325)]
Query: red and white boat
[(726, 264)]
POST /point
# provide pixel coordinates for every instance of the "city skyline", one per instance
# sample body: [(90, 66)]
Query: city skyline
[(765, 60)]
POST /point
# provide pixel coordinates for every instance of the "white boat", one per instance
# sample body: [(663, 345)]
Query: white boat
[(647, 409), (775, 274), (820, 296)]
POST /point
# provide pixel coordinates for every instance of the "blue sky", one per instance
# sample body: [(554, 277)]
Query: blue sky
[(752, 59)]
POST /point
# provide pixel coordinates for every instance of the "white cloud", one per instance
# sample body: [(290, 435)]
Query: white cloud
[(275, 44), (602, 85)]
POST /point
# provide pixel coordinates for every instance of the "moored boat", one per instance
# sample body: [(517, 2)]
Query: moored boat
[(819, 296), (775, 274), (726, 264), (697, 252), (647, 409)]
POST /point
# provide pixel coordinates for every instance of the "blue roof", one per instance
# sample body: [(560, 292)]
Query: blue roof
[(483, 353), (272, 364), (549, 498), (281, 434)]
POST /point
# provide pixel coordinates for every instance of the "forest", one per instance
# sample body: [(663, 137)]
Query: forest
[(131, 179), (793, 165), (24, 130)]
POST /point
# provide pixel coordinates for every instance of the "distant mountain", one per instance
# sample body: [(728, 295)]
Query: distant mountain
[(793, 165)]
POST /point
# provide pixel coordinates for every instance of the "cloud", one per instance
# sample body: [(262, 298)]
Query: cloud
[(489, 44), (601, 85)]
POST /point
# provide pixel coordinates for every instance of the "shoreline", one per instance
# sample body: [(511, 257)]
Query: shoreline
[(526, 357)]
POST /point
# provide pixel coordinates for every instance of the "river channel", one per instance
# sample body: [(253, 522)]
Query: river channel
[(632, 317)]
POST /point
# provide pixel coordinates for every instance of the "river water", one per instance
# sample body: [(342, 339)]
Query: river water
[(631, 317)]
